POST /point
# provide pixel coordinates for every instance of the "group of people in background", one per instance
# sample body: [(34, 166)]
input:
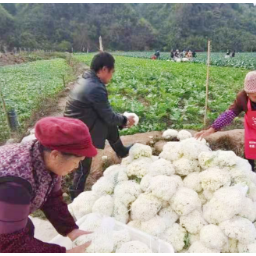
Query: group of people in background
[(184, 54), (156, 55), (177, 55), (174, 55)]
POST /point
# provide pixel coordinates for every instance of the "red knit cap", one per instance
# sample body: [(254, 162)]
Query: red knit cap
[(66, 135)]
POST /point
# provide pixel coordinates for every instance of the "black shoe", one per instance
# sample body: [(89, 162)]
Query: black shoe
[(120, 149)]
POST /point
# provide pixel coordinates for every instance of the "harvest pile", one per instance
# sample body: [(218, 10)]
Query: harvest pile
[(107, 238), (194, 198)]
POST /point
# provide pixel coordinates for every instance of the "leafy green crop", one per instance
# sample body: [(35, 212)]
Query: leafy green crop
[(26, 86), (167, 94), (241, 60)]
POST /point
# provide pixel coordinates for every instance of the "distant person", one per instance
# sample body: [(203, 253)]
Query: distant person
[(193, 54), (177, 54), (233, 54), (172, 54), (89, 102), (189, 54), (157, 54), (227, 54), (153, 57)]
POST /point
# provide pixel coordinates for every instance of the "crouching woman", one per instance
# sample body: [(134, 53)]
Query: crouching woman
[(30, 179)]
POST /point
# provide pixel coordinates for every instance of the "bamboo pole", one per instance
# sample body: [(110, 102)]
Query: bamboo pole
[(101, 44), (5, 111), (207, 81)]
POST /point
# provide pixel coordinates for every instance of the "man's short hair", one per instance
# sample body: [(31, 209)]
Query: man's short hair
[(102, 59)]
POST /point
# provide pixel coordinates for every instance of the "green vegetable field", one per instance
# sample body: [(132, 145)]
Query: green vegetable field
[(26, 86), (167, 94), (241, 60)]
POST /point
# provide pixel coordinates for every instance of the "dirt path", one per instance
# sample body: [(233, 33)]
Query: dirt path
[(64, 96)]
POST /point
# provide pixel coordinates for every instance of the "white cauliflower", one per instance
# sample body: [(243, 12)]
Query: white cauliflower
[(239, 176), (126, 161), (92, 222), (247, 248), (225, 204), (168, 215), (231, 246), (252, 192), (183, 134), (193, 222), (136, 118), (248, 210), (139, 150), (103, 187), (145, 207), (226, 158), (101, 243), (193, 238), (219, 158), (154, 158), (112, 170), (135, 224), (198, 247), (162, 187), (138, 168), (145, 182), (185, 201), (192, 181), (191, 148), (82, 240), (161, 167), (175, 235), (214, 178), (178, 180), (115, 174), (212, 237), (82, 204), (202, 198), (134, 247), (126, 192), (154, 226), (184, 166), (121, 212), (208, 194), (240, 229), (208, 159), (171, 151), (104, 205), (170, 134), (120, 237)]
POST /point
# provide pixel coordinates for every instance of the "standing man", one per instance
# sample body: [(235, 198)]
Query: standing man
[(157, 54), (88, 101)]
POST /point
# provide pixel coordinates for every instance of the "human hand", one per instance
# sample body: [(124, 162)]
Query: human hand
[(80, 248), (205, 133), (74, 234), (130, 121)]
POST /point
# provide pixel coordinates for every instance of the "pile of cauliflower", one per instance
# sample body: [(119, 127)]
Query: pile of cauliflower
[(106, 238), (196, 199)]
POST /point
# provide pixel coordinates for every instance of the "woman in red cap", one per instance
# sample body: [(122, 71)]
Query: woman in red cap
[(30, 179), (245, 102)]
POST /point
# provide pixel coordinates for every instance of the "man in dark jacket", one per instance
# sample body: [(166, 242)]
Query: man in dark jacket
[(88, 101)]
